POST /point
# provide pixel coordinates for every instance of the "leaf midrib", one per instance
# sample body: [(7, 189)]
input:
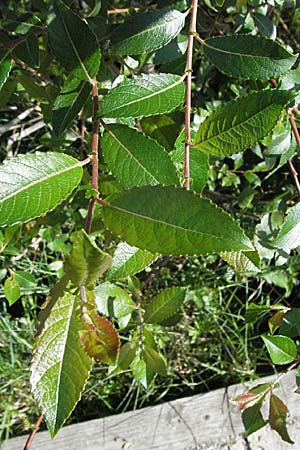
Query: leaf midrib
[(163, 305), (279, 58), (39, 181), (146, 97), (67, 331), (130, 154), (147, 30), (73, 46), (233, 127), (151, 219)]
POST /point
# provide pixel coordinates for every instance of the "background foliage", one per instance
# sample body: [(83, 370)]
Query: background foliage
[(47, 107)]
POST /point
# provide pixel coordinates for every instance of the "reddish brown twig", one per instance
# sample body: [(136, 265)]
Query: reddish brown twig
[(188, 94), (94, 151), (33, 432)]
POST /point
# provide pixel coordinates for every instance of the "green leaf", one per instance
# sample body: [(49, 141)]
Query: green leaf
[(28, 51), (162, 128), (12, 290), (146, 32), (289, 233), (136, 160), (248, 57), (33, 184), (173, 51), (253, 311), (277, 418), (198, 162), (144, 95), (142, 372), (73, 43), (172, 221), (60, 367), (25, 279), (69, 103), (164, 305), (127, 354), (241, 123), (265, 25), (242, 262), (282, 349), (99, 337), (5, 67), (253, 419), (155, 361), (86, 262), (113, 301), (128, 260), (291, 324)]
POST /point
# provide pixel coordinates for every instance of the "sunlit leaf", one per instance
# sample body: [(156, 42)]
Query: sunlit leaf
[(33, 184), (60, 367)]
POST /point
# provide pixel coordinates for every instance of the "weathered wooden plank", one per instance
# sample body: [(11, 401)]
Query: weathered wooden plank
[(203, 422)]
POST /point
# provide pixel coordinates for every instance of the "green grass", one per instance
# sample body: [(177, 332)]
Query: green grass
[(210, 347)]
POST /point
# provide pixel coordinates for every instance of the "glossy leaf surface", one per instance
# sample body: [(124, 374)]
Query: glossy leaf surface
[(115, 302), (128, 260), (248, 57), (253, 419), (282, 349), (146, 32), (73, 43), (5, 66), (289, 234), (172, 221), (33, 184), (136, 160), (144, 95), (241, 123), (60, 367)]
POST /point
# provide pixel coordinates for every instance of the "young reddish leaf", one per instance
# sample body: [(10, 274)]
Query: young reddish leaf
[(275, 321), (282, 349), (277, 418), (253, 419), (99, 338), (12, 290)]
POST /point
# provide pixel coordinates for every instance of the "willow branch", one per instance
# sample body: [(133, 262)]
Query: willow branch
[(188, 94), (33, 432), (94, 152)]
